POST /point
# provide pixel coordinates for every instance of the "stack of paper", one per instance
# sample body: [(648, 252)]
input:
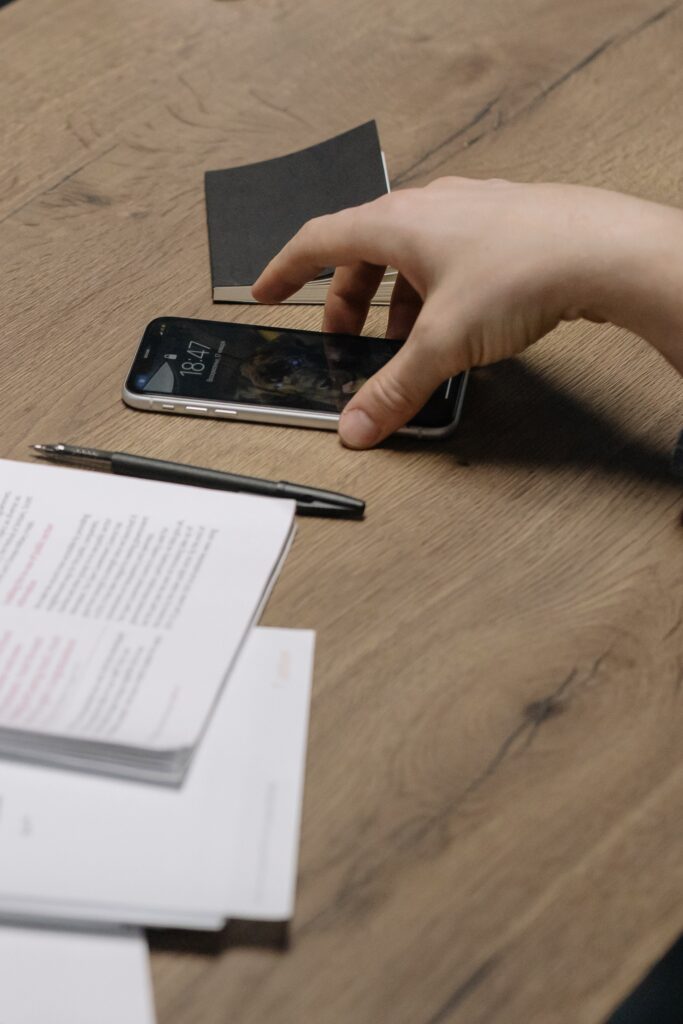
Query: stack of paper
[(74, 977), (78, 847), (83, 849), (123, 604)]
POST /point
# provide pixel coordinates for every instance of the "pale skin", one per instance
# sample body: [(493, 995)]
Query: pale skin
[(486, 268)]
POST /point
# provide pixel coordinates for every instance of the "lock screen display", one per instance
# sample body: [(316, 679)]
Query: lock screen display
[(263, 366)]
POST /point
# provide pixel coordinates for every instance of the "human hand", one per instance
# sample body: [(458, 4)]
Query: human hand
[(485, 269)]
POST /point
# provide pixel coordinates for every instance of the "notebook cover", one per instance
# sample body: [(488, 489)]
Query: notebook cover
[(254, 209)]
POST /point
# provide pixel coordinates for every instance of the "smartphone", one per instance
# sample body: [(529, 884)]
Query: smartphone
[(268, 375)]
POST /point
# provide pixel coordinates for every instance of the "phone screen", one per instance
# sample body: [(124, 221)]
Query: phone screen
[(265, 366)]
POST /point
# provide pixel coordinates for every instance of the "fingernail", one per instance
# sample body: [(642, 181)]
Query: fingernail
[(357, 430)]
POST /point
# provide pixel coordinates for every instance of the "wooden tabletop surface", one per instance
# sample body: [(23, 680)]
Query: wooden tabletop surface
[(492, 821)]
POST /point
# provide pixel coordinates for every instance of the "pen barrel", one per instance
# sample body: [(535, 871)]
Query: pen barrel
[(310, 501), (196, 476)]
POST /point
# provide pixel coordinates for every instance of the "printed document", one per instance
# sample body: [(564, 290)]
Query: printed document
[(225, 844), (123, 604)]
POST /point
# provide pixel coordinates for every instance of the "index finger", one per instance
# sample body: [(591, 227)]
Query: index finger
[(337, 239)]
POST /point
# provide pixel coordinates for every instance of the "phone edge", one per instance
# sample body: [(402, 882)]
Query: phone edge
[(270, 415)]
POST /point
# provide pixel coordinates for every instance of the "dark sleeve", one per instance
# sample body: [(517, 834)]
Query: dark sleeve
[(677, 457)]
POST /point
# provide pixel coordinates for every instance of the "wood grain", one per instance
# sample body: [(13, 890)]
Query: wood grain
[(492, 825)]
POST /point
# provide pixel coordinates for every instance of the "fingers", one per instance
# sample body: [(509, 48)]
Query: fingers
[(403, 310), (359, 234), (399, 390), (349, 297)]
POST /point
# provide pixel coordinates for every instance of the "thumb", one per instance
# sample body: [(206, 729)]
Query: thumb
[(395, 393)]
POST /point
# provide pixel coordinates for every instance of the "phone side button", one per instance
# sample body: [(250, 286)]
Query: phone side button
[(196, 408), (224, 412), (167, 405)]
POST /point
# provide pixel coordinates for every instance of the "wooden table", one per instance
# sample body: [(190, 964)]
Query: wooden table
[(492, 823)]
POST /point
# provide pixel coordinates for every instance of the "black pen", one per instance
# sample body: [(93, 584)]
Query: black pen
[(310, 501)]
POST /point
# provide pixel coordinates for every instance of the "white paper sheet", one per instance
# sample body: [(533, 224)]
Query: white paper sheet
[(70, 977), (225, 845), (124, 601)]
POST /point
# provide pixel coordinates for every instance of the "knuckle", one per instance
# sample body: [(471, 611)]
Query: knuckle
[(439, 182), (316, 227), (351, 220), (343, 289), (402, 201), (356, 223), (446, 181), (308, 232), (393, 393), (381, 205), (373, 204), (349, 287)]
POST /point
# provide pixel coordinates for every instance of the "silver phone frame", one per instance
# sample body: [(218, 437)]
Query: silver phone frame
[(274, 415)]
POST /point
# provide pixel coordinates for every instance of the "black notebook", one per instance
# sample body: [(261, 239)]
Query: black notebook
[(254, 209)]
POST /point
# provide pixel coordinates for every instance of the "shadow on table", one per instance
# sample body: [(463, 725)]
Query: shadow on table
[(659, 997), (514, 416), (272, 935)]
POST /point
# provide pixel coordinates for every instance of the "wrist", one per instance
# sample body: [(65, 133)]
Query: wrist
[(637, 278)]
